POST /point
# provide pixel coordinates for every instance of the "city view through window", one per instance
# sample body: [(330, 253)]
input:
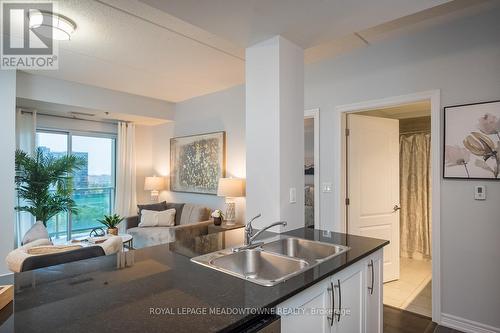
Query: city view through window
[(94, 183)]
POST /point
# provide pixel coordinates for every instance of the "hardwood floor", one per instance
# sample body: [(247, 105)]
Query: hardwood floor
[(401, 321)]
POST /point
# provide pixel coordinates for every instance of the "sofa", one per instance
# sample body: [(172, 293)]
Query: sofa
[(189, 218)]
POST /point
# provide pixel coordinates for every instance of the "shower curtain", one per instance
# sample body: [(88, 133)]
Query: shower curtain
[(415, 182)]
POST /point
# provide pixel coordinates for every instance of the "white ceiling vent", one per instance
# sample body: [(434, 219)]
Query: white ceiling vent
[(82, 114)]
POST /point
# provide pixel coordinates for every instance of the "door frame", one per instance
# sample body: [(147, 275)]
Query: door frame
[(435, 98), (314, 114)]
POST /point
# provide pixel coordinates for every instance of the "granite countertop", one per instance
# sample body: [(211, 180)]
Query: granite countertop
[(161, 290)]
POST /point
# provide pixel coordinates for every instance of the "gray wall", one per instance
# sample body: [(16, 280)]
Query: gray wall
[(462, 58), (8, 146), (221, 111)]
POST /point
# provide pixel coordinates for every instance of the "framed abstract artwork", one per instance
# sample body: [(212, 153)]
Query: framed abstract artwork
[(197, 162), (472, 141)]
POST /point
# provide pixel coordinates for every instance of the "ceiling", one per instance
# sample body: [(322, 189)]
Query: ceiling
[(137, 49), (178, 49), (304, 22)]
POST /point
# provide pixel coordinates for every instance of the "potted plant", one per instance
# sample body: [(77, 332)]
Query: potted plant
[(44, 183), (111, 222), (217, 216)]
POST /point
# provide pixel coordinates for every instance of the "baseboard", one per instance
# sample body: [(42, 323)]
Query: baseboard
[(465, 325)]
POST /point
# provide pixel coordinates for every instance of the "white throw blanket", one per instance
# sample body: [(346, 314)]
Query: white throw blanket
[(16, 258)]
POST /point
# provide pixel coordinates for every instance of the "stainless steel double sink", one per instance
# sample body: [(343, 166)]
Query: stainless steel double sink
[(272, 262)]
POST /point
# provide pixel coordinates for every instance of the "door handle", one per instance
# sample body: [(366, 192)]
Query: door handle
[(340, 300), (332, 290), (370, 265), (396, 208)]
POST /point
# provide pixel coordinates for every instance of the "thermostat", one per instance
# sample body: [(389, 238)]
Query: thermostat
[(480, 192)]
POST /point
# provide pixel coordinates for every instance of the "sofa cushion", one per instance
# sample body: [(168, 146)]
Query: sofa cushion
[(37, 231), (194, 213), (158, 207), (178, 211), (151, 218)]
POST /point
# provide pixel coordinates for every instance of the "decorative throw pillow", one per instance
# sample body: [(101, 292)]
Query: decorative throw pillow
[(151, 218), (178, 211), (156, 207), (37, 231)]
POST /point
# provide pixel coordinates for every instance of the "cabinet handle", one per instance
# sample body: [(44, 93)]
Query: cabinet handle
[(373, 276), (340, 300), (331, 318)]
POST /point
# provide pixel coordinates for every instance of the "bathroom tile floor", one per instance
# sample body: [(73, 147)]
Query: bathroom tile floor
[(412, 292)]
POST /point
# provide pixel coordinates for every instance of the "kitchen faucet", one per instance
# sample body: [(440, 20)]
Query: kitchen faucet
[(249, 238)]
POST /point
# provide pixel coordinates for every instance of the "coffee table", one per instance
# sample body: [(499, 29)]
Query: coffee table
[(128, 241)]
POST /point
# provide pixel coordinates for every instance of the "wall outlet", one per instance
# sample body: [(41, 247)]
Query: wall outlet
[(327, 187), (480, 192), (293, 195)]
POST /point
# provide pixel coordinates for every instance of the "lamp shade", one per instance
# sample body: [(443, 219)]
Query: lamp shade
[(231, 187), (154, 183)]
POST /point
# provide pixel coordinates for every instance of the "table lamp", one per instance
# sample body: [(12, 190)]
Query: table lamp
[(155, 185), (231, 188)]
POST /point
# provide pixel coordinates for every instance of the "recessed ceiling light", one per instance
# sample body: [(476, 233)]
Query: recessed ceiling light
[(51, 25)]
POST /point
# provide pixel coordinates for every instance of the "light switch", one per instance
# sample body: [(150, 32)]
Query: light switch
[(327, 187), (293, 195), (480, 192)]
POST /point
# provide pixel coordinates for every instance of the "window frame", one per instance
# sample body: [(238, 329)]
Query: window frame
[(69, 137)]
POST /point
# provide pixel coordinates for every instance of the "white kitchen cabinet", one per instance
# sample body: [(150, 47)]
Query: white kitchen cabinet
[(355, 293), (304, 312), (349, 293), (374, 294)]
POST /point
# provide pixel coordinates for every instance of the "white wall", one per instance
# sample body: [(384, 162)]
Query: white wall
[(221, 111), (7, 149), (291, 132), (462, 59), (275, 132), (144, 160)]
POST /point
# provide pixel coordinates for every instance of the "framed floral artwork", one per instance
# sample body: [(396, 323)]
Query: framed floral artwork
[(197, 162), (472, 141)]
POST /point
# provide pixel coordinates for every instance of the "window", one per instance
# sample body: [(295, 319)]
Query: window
[(94, 184)]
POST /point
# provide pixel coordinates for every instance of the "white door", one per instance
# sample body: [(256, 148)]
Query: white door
[(373, 184), (348, 300)]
